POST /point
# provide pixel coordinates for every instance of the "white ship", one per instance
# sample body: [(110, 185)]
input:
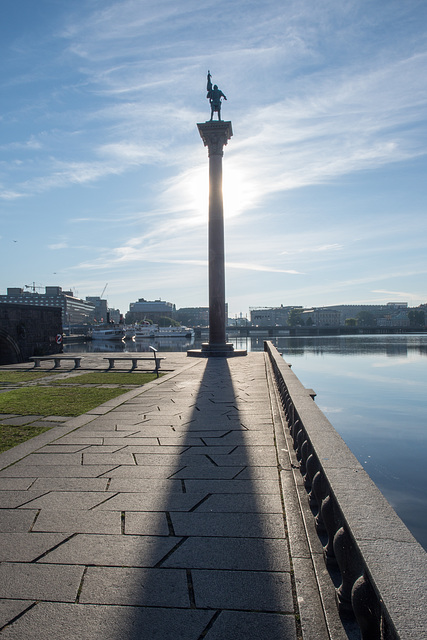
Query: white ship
[(113, 333), (154, 331)]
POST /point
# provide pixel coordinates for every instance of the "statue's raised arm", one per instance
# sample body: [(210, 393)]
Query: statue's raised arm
[(214, 96)]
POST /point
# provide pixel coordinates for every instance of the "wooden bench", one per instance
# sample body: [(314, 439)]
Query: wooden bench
[(155, 359), (57, 359)]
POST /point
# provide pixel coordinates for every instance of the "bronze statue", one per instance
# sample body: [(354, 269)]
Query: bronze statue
[(214, 96)]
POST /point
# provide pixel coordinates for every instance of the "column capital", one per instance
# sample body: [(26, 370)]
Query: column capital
[(215, 134)]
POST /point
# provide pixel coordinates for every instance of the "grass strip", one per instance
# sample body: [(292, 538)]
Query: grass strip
[(12, 436), (109, 377), (61, 401), (23, 376)]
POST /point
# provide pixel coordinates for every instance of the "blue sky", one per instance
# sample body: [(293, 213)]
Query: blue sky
[(104, 177)]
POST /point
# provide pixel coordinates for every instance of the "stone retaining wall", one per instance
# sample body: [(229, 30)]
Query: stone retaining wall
[(382, 568), (27, 330)]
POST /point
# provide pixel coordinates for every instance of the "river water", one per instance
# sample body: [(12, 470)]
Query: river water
[(373, 391)]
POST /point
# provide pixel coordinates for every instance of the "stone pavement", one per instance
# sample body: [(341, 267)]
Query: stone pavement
[(160, 515)]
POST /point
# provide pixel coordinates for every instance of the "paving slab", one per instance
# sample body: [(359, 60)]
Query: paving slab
[(10, 609), (29, 581), (78, 521), (136, 586), (256, 554), (112, 550), (150, 502), (67, 500), (248, 590), (14, 521), (16, 498), (27, 547), (241, 525), (21, 470), (237, 625), (157, 515), (71, 621)]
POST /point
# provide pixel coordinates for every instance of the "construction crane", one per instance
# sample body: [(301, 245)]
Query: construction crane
[(103, 291), (33, 287)]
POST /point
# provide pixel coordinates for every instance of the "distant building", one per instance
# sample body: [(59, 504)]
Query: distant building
[(101, 310), (74, 310), (270, 316), (389, 310), (150, 310), (321, 317), (114, 315), (395, 320), (397, 305), (193, 316)]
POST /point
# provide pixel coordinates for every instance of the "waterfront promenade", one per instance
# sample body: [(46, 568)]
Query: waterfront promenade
[(169, 512)]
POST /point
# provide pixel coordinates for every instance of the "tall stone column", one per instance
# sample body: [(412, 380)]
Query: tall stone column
[(215, 136)]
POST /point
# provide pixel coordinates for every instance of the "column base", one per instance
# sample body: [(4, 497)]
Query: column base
[(208, 350)]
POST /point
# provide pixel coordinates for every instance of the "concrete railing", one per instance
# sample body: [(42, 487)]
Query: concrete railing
[(382, 568)]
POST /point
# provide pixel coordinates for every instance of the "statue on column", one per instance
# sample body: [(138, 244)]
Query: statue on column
[(214, 96)]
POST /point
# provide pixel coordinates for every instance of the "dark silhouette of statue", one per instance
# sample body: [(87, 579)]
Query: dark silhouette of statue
[(214, 96)]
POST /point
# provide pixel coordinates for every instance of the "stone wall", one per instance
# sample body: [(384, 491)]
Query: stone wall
[(378, 568), (27, 331)]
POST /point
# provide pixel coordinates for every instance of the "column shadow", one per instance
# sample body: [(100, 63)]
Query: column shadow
[(226, 524)]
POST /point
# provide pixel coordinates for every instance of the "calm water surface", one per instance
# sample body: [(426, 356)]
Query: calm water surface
[(373, 390)]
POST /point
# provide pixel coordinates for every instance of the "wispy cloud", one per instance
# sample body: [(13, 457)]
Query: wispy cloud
[(57, 246), (103, 129), (247, 266)]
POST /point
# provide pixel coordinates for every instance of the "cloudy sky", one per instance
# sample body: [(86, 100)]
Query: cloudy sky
[(104, 177)]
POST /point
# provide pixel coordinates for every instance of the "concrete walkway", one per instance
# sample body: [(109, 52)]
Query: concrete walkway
[(160, 515)]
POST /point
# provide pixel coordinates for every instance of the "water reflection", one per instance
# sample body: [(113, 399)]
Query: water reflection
[(391, 345), (129, 346), (373, 390)]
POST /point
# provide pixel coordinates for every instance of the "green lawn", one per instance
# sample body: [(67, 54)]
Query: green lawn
[(65, 400), (109, 377), (59, 401), (11, 436)]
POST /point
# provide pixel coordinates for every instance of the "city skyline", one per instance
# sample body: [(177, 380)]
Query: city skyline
[(103, 177)]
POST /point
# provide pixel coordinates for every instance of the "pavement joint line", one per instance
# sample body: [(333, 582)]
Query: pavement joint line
[(170, 523), (190, 585), (34, 520), (109, 497), (80, 588), (170, 552), (102, 475), (19, 615), (55, 546), (196, 506), (31, 499), (209, 625)]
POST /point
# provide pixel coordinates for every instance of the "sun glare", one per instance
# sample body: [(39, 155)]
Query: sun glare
[(238, 191)]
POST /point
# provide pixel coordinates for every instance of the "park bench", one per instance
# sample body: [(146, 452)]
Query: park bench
[(57, 359), (134, 359)]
